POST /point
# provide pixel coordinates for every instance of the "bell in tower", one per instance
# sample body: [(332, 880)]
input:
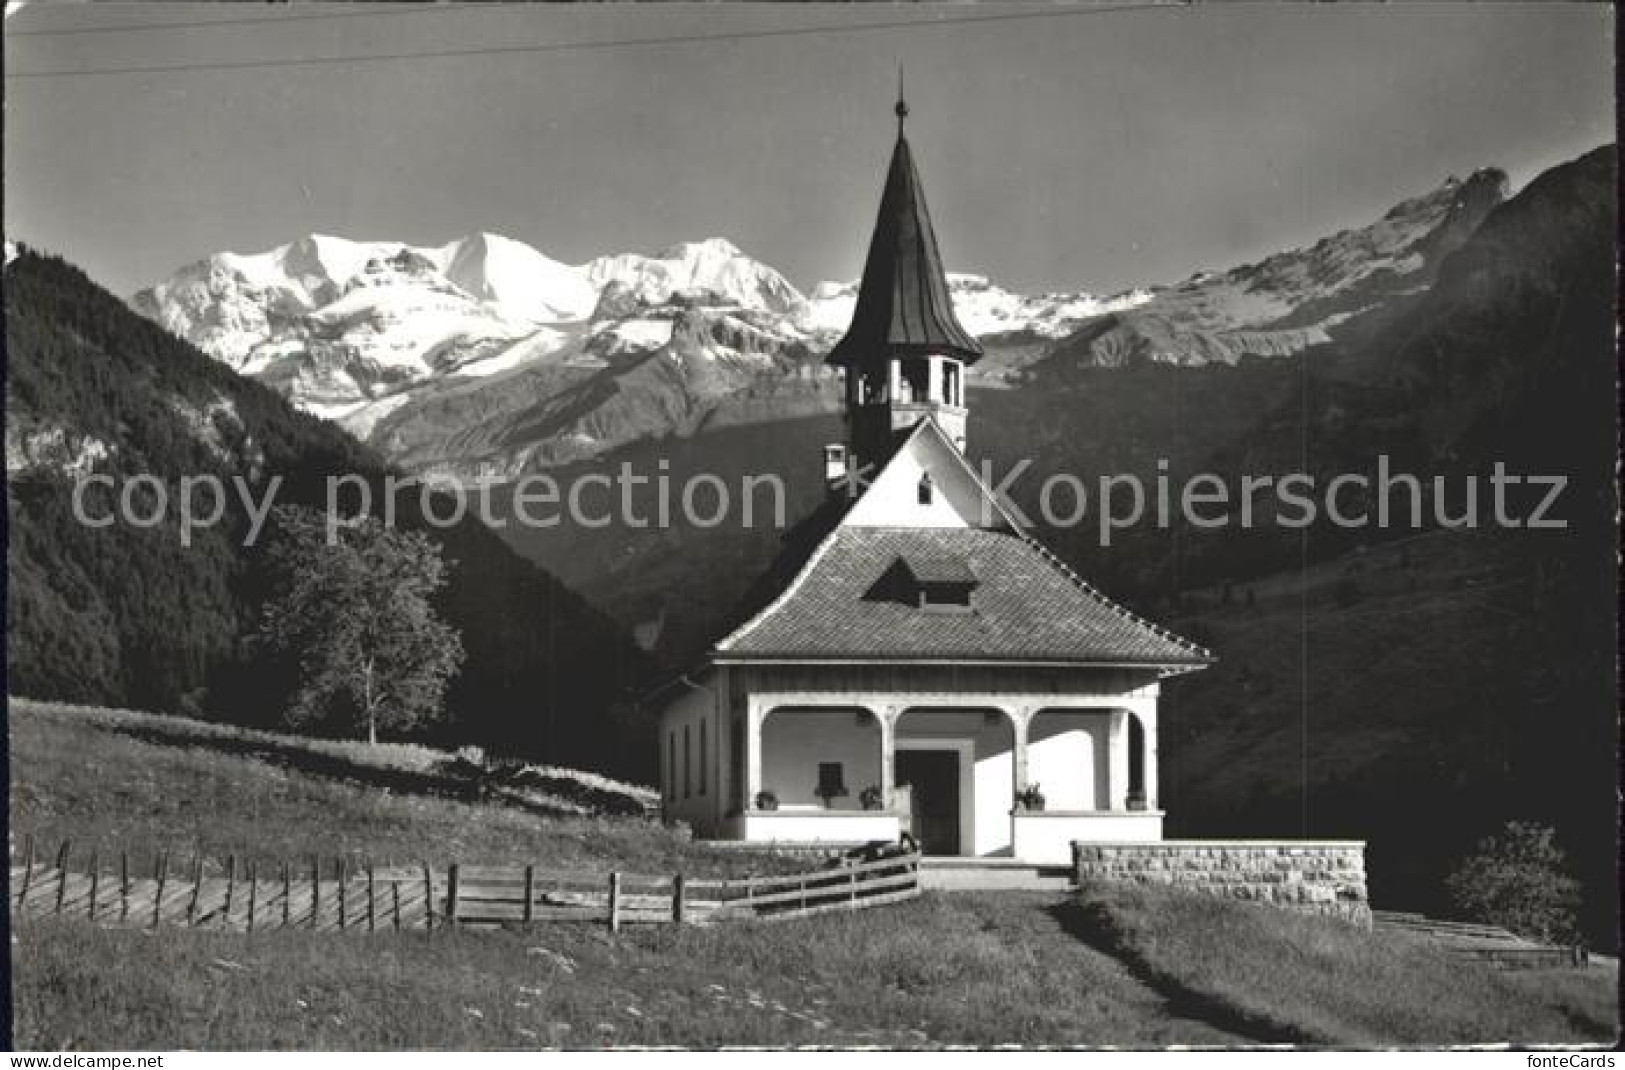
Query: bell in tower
[(905, 353)]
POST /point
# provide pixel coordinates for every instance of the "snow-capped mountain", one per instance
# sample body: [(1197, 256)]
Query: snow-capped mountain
[(335, 322), (712, 271), (451, 356), (350, 329), (484, 356), (1296, 298), (985, 308)]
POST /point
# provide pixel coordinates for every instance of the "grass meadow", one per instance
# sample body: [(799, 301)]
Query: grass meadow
[(1318, 981), (981, 969)]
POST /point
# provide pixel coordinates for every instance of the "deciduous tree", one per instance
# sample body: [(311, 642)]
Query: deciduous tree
[(357, 613)]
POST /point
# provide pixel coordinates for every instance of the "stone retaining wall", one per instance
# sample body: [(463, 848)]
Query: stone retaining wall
[(1324, 877)]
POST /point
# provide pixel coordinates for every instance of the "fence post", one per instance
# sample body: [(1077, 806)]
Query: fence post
[(231, 888), (28, 868), (124, 885), (253, 891), (28, 871), (530, 894), (343, 868), (315, 892), (197, 889), (95, 883), (287, 894), (61, 875), (614, 902), (428, 897), (451, 895), (395, 896), (161, 872), (678, 897), (372, 903), (852, 892)]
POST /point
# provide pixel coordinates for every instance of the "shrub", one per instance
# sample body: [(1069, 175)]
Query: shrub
[(1518, 879)]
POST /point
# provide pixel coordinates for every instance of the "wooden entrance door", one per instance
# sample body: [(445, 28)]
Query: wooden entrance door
[(933, 776)]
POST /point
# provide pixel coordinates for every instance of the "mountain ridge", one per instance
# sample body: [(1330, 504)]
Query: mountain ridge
[(483, 358), (129, 614)]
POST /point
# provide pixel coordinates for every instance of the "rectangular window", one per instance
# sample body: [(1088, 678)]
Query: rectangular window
[(916, 380), (703, 764), (688, 764), (945, 597), (831, 781)]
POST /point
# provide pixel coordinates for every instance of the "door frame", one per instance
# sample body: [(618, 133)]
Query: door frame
[(964, 751)]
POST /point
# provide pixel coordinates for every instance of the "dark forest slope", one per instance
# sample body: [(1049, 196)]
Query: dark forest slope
[(126, 615)]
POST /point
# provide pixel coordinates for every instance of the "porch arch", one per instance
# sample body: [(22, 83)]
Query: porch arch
[(820, 757), (1069, 757), (1139, 742)]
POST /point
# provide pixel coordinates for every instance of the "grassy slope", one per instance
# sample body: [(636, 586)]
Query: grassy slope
[(117, 780), (1316, 981), (960, 970), (977, 969), (1419, 733), (905, 976)]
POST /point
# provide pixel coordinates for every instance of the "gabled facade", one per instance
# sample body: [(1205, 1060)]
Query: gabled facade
[(926, 667)]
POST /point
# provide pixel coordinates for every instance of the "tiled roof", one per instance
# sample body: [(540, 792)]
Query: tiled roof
[(933, 566), (903, 301), (1027, 607)]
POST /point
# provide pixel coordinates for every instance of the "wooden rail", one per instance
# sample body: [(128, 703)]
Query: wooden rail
[(1487, 943), (335, 898)]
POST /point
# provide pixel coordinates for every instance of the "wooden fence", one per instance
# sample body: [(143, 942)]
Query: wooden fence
[(1486, 943), (336, 897)]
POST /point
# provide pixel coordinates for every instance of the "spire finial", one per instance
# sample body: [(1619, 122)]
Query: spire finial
[(902, 104)]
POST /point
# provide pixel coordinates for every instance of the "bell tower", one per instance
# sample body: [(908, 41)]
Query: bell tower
[(905, 353)]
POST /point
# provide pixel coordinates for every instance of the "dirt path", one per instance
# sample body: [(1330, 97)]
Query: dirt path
[(1030, 918)]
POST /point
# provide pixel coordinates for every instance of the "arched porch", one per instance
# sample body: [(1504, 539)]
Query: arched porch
[(952, 771), (1095, 767)]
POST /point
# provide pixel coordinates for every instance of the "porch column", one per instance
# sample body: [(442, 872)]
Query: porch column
[(752, 780), (1148, 719), (886, 717), (1020, 718), (1117, 761)]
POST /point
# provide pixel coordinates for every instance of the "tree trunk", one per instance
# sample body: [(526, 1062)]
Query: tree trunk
[(372, 705)]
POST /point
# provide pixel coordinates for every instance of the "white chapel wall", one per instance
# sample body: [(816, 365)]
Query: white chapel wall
[(893, 500), (795, 741), (690, 759), (1067, 757)]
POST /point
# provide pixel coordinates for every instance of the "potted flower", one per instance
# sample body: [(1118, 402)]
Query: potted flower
[(766, 800), (1030, 798), (872, 798)]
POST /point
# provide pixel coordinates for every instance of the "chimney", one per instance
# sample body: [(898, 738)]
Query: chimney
[(834, 467)]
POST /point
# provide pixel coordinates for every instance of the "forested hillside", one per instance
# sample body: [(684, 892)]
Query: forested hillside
[(126, 615)]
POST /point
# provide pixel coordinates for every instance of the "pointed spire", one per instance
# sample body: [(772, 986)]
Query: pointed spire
[(903, 306), (902, 103)]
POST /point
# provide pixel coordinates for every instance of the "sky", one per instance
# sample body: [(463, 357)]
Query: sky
[(1087, 148)]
